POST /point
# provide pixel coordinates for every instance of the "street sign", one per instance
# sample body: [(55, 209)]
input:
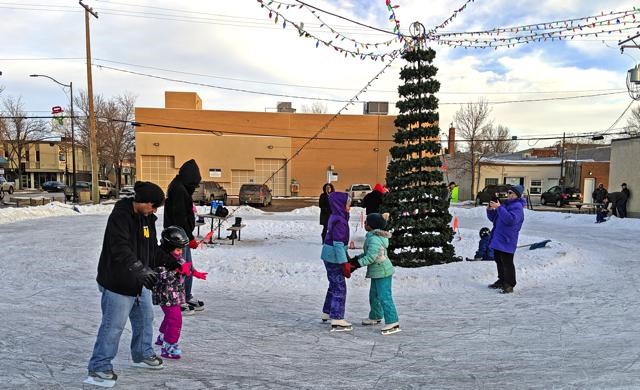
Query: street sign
[(56, 110)]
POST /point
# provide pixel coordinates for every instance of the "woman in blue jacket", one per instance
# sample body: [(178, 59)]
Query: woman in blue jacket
[(507, 221)]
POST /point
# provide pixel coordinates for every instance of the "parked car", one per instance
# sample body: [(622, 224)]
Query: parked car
[(488, 192), (6, 186), (126, 192), (107, 189), (53, 186), (208, 191), (80, 186), (258, 194), (560, 195), (357, 192)]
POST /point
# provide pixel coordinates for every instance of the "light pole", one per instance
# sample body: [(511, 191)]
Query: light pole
[(73, 135)]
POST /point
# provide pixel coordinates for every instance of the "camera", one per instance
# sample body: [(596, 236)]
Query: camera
[(495, 199)]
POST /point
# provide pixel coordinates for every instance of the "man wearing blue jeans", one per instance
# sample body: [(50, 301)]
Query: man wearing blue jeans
[(125, 275)]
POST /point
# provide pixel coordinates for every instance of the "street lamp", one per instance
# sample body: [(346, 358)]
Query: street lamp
[(73, 135)]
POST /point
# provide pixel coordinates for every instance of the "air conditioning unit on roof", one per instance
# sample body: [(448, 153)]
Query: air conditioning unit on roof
[(376, 108)]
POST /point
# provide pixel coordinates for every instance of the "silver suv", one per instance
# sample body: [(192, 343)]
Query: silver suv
[(107, 189), (357, 192)]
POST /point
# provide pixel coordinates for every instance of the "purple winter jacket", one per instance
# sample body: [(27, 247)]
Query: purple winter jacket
[(507, 222), (337, 239)]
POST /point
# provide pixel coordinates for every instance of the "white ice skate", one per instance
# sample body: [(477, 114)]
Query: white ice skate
[(341, 326), (391, 328), (101, 378), (325, 318), (368, 322)]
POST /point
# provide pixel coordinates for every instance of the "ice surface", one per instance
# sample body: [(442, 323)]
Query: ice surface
[(573, 321)]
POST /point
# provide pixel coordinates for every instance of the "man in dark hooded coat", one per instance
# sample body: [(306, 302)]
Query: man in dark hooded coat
[(178, 211)]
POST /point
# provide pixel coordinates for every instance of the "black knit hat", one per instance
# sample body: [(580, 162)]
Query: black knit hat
[(377, 221), (148, 192)]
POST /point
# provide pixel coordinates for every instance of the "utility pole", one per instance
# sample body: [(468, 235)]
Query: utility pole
[(95, 191), (562, 162)]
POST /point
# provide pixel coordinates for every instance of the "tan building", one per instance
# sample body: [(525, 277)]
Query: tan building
[(235, 147), (47, 161)]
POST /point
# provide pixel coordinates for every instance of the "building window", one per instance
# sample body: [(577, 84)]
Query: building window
[(491, 181), (61, 157), (37, 155), (535, 187), (26, 155), (514, 181)]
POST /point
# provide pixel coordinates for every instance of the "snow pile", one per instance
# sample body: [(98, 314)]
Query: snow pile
[(53, 209)]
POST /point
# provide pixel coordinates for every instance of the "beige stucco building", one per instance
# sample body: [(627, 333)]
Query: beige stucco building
[(624, 168), (236, 147)]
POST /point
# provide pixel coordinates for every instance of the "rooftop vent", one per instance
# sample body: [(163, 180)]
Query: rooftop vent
[(376, 108), (285, 107)]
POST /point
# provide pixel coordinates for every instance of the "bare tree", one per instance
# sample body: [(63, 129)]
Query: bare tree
[(473, 125), (499, 140), (633, 123), (316, 108), (17, 132), (114, 132)]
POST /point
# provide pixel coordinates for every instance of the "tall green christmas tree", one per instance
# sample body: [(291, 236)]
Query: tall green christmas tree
[(418, 200)]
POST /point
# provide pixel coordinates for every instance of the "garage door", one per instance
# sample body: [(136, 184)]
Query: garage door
[(265, 168), (158, 169), (238, 178)]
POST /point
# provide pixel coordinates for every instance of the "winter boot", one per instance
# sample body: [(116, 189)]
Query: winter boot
[(233, 235), (496, 284), (325, 318), (369, 321), (187, 310), (160, 339), (341, 326), (171, 351), (391, 328), (101, 378), (152, 363)]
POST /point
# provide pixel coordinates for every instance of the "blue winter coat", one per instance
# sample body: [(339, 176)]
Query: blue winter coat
[(334, 247), (507, 222), (484, 251)]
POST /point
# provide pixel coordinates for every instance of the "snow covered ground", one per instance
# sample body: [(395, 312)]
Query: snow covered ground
[(572, 323)]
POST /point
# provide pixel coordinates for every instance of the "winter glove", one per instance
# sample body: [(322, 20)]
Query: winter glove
[(193, 244), (185, 269), (145, 275), (200, 275), (172, 265), (354, 263), (346, 270)]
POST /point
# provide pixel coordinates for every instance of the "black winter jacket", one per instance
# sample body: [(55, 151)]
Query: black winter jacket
[(372, 202), (128, 237), (325, 209), (178, 208)]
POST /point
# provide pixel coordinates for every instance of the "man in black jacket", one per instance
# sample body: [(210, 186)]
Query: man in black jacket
[(178, 211), (129, 252)]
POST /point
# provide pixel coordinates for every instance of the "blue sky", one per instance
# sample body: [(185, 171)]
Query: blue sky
[(237, 40)]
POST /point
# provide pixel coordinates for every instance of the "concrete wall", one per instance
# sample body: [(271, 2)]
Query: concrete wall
[(625, 168)]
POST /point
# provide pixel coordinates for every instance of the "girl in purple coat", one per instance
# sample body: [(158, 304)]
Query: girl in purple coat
[(507, 221), (334, 255)]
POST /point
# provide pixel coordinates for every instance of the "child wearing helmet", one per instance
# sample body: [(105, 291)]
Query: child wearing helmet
[(169, 291), (483, 252)]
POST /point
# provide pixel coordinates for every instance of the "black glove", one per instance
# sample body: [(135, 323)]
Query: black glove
[(145, 275), (354, 263)]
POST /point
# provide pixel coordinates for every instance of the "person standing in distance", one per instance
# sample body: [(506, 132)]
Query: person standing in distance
[(125, 277), (507, 221), (325, 208), (178, 211)]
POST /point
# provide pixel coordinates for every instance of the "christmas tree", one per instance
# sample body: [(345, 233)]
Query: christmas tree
[(418, 200)]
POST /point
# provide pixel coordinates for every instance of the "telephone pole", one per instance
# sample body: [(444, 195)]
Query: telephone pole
[(95, 191)]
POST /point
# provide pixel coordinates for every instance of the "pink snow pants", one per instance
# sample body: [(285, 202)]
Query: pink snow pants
[(171, 324)]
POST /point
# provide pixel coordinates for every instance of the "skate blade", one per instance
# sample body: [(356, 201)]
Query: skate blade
[(341, 328), (371, 323), (99, 382), (391, 331)]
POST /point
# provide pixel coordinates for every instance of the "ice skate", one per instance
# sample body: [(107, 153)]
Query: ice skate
[(341, 326), (160, 339), (325, 318), (368, 322), (101, 378), (187, 310), (171, 351), (151, 363), (391, 328), (196, 304)]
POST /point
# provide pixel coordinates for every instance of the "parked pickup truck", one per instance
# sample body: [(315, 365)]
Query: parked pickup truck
[(6, 186), (357, 192)]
